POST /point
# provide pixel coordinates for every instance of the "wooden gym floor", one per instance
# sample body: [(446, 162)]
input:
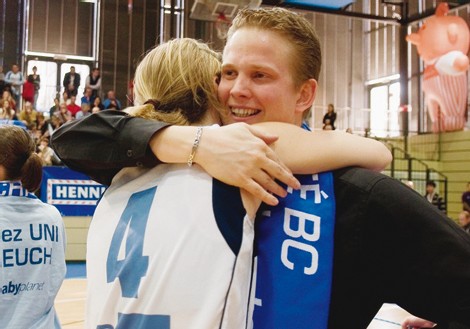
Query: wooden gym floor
[(70, 307)]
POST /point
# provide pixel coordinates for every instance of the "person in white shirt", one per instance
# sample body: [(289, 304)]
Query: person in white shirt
[(32, 252)]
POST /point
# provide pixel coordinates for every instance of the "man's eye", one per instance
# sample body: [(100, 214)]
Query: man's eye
[(228, 73)]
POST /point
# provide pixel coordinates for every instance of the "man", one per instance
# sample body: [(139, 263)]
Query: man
[(111, 102), (87, 97), (433, 197), (15, 79), (385, 246), (73, 107), (93, 81), (71, 82)]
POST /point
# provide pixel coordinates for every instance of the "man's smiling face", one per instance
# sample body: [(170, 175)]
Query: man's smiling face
[(257, 82)]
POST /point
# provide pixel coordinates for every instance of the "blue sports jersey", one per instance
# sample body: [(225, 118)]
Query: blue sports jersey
[(294, 249)]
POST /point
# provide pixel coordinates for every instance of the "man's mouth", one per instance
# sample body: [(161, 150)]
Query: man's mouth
[(243, 113)]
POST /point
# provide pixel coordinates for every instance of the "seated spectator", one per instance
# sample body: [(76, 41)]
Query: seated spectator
[(28, 115), (85, 111), (6, 96), (41, 123), (87, 96), (112, 102), (64, 114), (73, 107), (464, 220), (52, 125), (45, 152), (54, 108), (65, 98), (6, 112), (97, 104)]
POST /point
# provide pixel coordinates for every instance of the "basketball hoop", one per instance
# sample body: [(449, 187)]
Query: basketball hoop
[(222, 25)]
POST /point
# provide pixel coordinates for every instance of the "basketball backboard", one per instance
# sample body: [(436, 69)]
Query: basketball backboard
[(209, 10)]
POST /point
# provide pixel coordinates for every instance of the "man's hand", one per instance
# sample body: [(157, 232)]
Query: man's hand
[(239, 155), (413, 322)]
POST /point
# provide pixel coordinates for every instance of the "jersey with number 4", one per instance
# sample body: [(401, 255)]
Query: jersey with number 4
[(169, 247)]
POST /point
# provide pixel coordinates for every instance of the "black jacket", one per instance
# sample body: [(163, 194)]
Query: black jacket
[(391, 244)]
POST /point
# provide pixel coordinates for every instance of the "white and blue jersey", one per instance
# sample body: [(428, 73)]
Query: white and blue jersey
[(32, 259), (169, 247)]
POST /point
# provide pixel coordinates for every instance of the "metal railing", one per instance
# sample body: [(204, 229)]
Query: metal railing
[(409, 169)]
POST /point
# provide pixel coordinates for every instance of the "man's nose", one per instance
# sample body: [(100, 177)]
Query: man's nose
[(241, 87)]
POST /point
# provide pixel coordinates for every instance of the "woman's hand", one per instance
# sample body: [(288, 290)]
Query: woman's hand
[(238, 154)]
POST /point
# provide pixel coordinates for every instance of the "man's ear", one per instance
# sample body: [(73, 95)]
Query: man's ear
[(307, 94)]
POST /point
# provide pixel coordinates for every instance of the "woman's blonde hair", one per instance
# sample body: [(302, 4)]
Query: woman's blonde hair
[(174, 82)]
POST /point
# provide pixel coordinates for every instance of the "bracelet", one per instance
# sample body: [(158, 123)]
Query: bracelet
[(197, 139)]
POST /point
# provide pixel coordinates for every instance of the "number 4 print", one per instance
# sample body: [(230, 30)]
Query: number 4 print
[(133, 267)]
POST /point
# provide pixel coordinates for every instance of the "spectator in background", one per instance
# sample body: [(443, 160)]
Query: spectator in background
[(73, 107), (93, 81), (2, 79), (36, 80), (52, 125), (464, 220), (45, 152), (97, 104), (71, 82), (433, 197), (85, 111), (28, 115), (6, 112), (87, 96), (38, 269), (6, 96), (41, 124), (329, 118), (28, 91), (466, 198), (65, 98), (15, 79), (112, 102), (64, 114), (55, 109)]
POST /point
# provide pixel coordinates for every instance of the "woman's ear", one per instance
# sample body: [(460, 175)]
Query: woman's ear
[(307, 94)]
